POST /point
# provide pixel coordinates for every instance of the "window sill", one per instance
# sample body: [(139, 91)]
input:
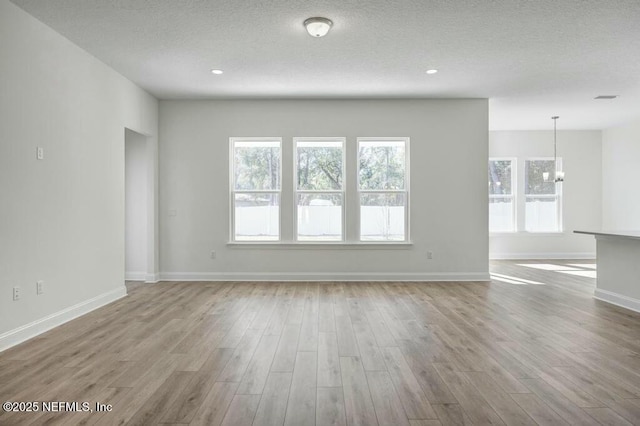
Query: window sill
[(333, 245)]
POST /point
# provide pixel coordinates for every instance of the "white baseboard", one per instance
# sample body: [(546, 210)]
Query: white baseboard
[(152, 278), (324, 276), (524, 256), (135, 275), (617, 299), (142, 276), (27, 331)]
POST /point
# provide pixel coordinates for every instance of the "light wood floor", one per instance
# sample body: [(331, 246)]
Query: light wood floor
[(518, 353)]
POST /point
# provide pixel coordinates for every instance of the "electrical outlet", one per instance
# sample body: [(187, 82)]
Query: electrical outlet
[(213, 254), (16, 293), (39, 287), (429, 255), (40, 153)]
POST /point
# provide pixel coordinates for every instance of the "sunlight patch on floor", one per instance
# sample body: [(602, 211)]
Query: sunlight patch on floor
[(586, 274), (548, 267), (513, 280), (584, 265)]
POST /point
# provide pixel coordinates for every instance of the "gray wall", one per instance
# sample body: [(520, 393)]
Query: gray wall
[(62, 218), (621, 177), (136, 187), (448, 187)]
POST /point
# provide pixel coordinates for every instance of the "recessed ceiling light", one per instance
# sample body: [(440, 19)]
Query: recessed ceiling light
[(432, 71), (606, 97), (216, 72), (318, 27)]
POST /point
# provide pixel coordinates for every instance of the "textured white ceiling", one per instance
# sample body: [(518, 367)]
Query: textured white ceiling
[(532, 58)]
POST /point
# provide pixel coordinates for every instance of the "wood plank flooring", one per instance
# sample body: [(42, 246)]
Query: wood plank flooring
[(530, 347)]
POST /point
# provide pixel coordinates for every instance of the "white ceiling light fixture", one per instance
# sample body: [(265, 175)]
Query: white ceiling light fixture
[(432, 71), (216, 71), (559, 174), (318, 27)]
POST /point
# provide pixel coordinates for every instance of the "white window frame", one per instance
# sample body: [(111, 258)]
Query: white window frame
[(557, 196), (512, 196), (406, 191), (233, 191), (297, 191)]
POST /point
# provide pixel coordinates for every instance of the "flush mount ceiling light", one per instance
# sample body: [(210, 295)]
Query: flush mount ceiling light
[(318, 27), (431, 71), (216, 71)]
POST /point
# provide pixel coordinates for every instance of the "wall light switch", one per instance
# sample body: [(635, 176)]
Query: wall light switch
[(40, 153)]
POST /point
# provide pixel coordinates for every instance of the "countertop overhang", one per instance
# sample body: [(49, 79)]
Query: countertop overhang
[(633, 234)]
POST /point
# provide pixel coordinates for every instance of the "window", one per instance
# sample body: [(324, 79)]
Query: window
[(256, 188), (502, 206), (542, 196), (319, 189), (383, 188), (318, 203)]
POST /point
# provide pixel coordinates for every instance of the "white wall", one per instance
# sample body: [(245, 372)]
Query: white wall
[(581, 192), (62, 218), (448, 187), (135, 206), (618, 267), (621, 177), (619, 271)]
